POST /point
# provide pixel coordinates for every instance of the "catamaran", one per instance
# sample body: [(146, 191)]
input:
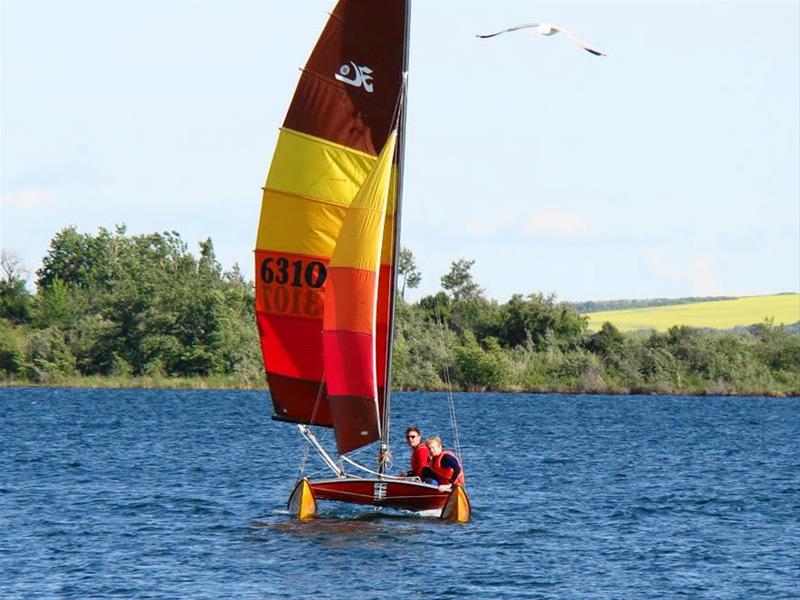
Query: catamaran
[(326, 258)]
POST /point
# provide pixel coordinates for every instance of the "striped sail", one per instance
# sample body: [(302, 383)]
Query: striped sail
[(343, 111), (349, 324)]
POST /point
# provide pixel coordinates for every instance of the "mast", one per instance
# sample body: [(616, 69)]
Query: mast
[(401, 147)]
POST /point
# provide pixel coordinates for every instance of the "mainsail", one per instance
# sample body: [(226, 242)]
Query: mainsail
[(344, 109)]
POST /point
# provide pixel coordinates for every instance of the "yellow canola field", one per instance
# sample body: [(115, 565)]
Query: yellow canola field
[(720, 314)]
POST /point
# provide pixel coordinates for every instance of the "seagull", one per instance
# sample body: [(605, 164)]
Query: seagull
[(547, 29)]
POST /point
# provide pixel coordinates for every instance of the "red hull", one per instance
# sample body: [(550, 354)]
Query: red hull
[(407, 495)]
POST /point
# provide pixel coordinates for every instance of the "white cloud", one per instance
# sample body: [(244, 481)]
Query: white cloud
[(697, 272), (701, 277), (547, 222), (489, 226), (26, 198), (555, 222)]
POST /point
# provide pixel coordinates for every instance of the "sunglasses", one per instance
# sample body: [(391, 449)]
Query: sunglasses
[(411, 436)]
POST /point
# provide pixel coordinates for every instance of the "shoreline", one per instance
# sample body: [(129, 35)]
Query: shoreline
[(222, 384)]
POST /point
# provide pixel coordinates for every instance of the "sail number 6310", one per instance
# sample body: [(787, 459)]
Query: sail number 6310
[(298, 272)]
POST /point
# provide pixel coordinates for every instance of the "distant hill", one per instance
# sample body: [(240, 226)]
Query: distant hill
[(592, 306), (713, 314)]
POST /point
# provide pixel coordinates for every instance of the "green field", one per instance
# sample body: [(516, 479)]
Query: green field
[(720, 314)]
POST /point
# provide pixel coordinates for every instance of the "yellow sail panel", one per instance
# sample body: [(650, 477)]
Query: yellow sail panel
[(298, 225), (392, 200), (362, 229), (315, 168), (387, 245), (387, 248), (360, 239)]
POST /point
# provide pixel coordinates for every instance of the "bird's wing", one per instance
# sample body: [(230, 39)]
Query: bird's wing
[(515, 28), (577, 40)]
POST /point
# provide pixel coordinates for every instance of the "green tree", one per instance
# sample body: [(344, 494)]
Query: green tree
[(12, 349), (57, 305), (538, 319), (459, 283), (407, 269), (49, 356), (74, 259), (606, 342), (478, 315), (421, 349), (208, 264), (778, 349), (15, 300), (478, 367), (436, 307)]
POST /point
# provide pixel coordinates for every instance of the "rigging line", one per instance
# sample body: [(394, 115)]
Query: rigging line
[(398, 105), (388, 464), (450, 400), (319, 397), (363, 468), (318, 472), (304, 457)]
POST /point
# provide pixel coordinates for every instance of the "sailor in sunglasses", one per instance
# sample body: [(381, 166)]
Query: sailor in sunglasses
[(420, 453)]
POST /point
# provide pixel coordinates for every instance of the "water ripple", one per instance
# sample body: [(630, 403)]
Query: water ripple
[(177, 494)]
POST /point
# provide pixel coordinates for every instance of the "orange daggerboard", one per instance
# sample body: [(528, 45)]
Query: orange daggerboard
[(344, 109)]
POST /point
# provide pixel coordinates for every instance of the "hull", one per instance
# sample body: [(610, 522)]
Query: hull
[(302, 502), (457, 509), (406, 495)]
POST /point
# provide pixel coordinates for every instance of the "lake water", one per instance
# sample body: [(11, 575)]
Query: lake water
[(182, 494)]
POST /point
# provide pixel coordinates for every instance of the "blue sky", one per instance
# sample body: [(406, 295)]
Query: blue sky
[(668, 168)]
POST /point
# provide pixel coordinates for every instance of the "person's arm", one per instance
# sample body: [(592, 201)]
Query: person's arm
[(451, 462), (427, 473)]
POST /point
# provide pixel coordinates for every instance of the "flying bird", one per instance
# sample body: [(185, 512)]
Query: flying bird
[(547, 29)]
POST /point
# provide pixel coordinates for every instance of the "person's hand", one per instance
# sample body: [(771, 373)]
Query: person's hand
[(446, 488)]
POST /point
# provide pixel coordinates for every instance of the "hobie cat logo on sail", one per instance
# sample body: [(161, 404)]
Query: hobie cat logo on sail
[(357, 76)]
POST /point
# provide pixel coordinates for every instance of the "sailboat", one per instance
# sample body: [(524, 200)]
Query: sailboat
[(326, 259)]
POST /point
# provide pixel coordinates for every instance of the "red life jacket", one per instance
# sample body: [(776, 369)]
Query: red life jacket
[(444, 474), (420, 458)]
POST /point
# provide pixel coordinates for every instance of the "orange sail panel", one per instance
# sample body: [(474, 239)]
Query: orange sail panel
[(349, 325), (342, 114)]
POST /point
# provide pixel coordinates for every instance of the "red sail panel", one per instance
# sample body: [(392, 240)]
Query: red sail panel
[(350, 367), (341, 115), (349, 324), (350, 86)]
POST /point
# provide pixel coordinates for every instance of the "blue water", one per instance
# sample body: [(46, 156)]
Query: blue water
[(181, 494)]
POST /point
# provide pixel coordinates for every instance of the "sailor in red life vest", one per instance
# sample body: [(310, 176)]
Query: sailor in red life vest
[(445, 466), (420, 454)]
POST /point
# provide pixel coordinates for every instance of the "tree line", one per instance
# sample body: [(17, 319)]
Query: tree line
[(590, 306), (111, 304), (143, 308)]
